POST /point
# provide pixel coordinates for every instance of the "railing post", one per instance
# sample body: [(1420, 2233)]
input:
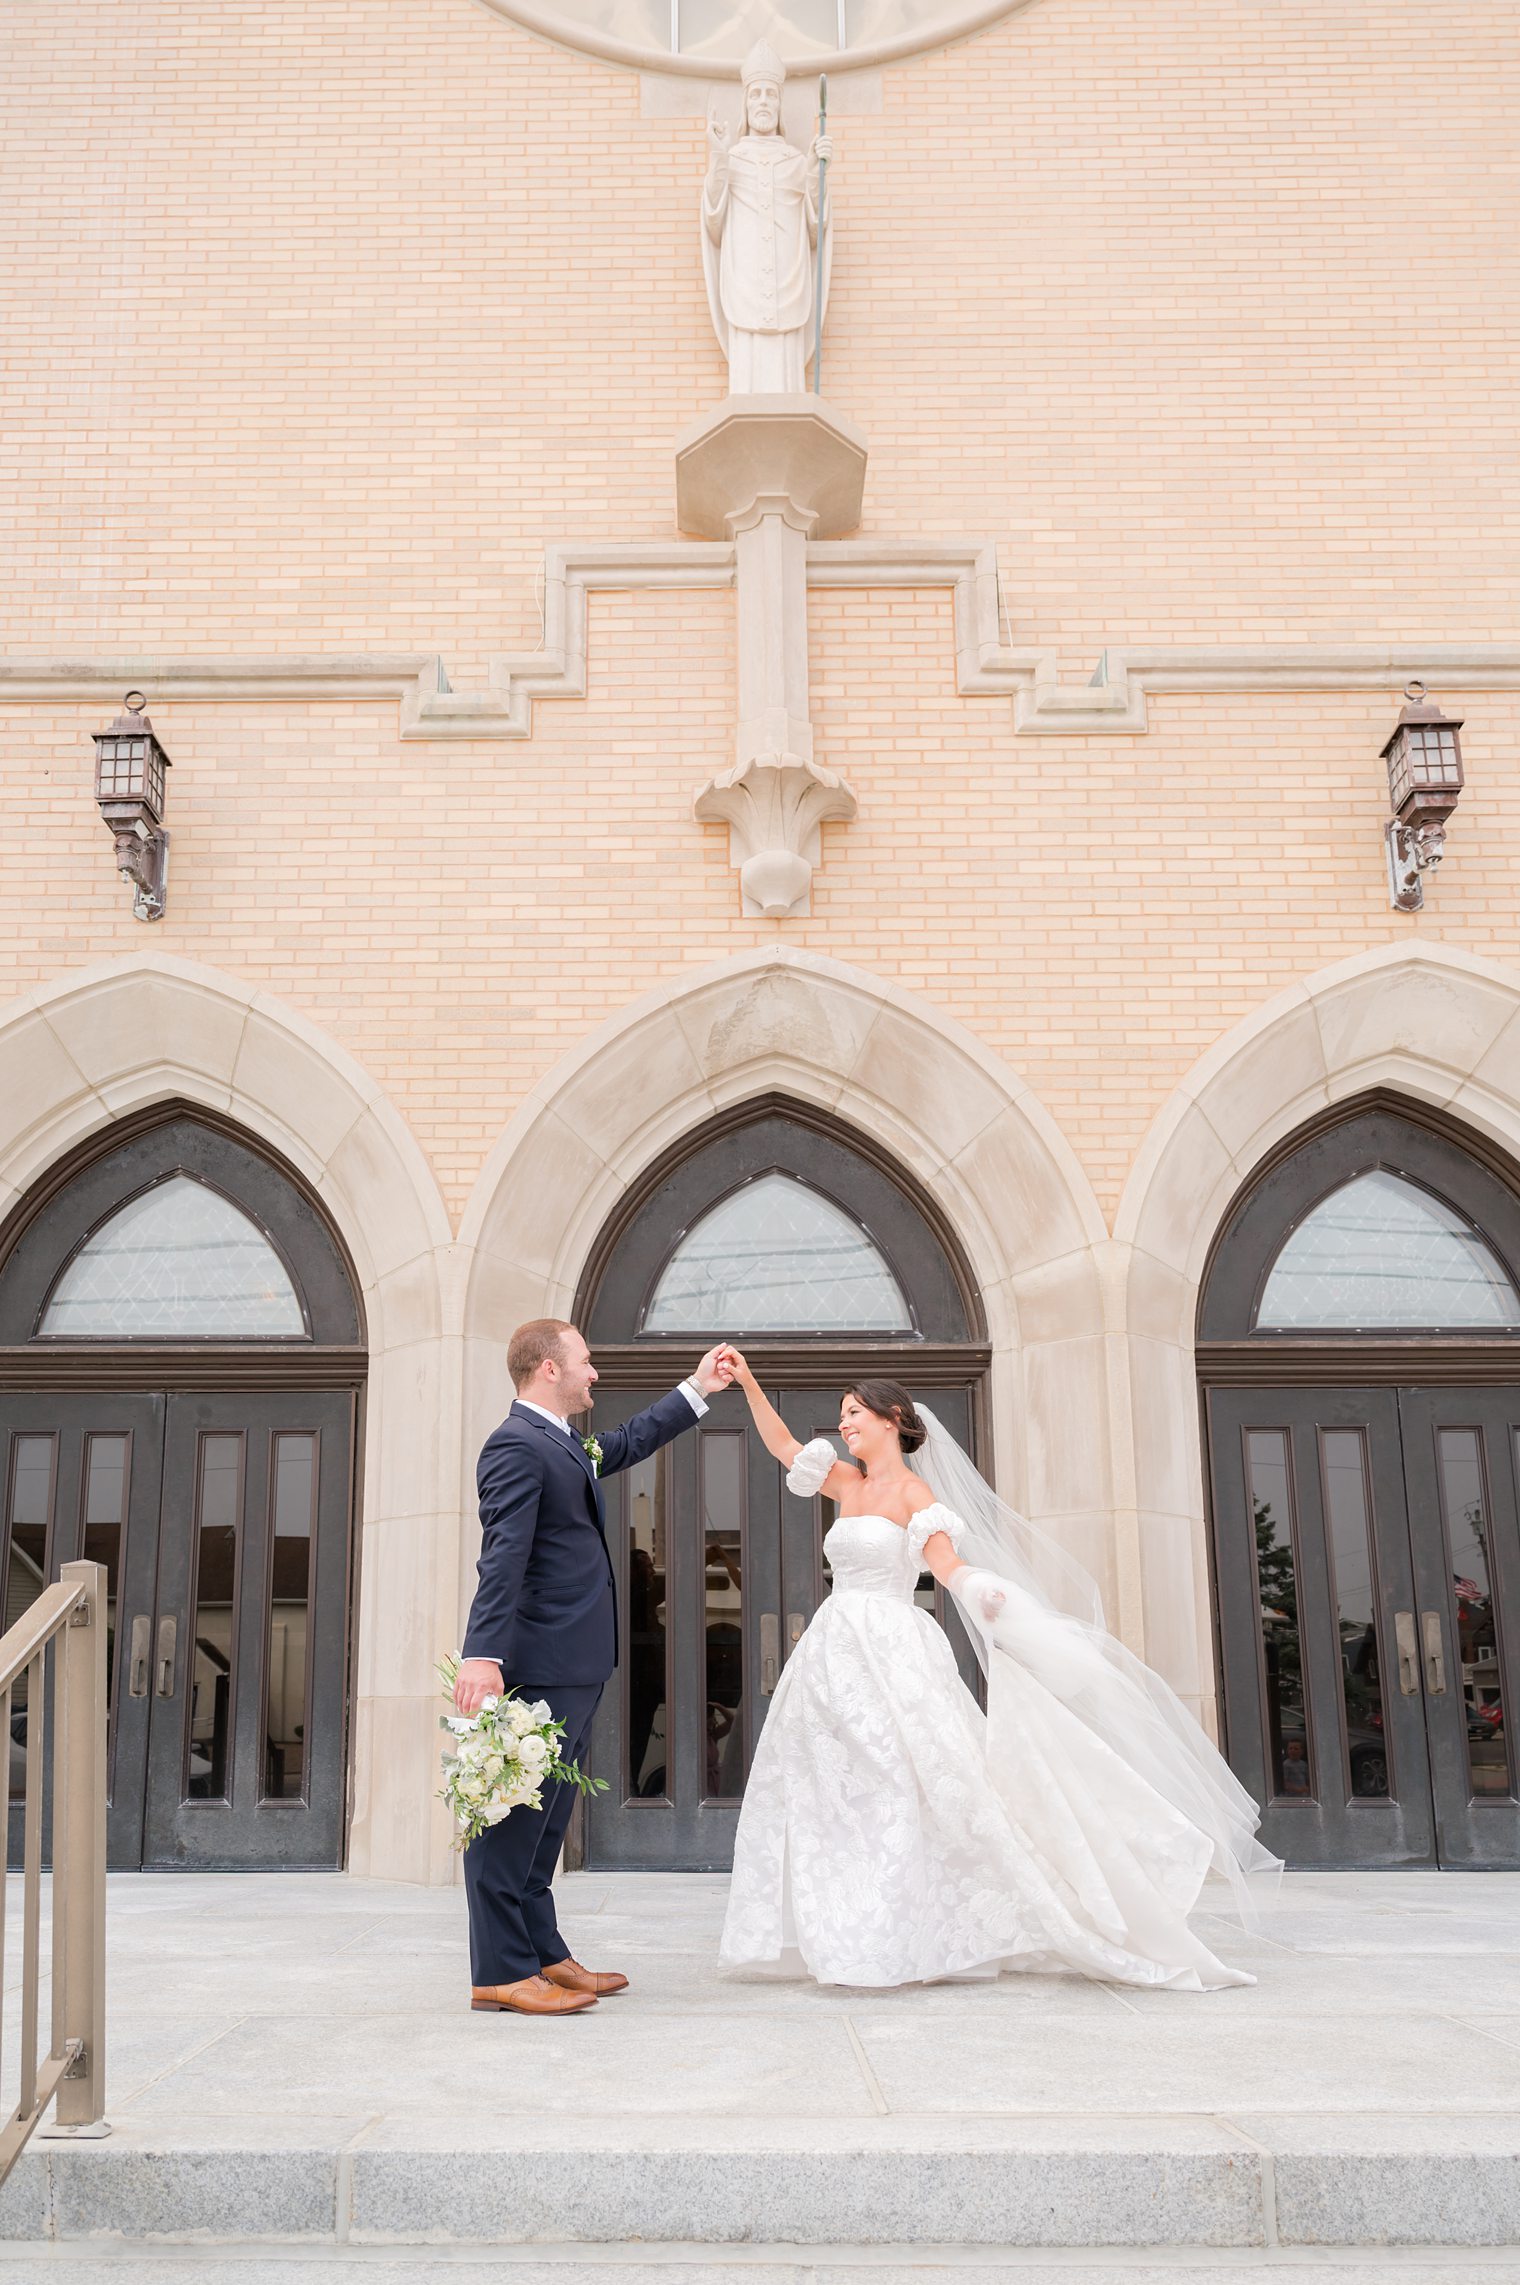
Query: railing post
[(79, 1850)]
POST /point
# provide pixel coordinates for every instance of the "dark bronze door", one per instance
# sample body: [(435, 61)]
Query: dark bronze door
[(1366, 1540), (222, 1521)]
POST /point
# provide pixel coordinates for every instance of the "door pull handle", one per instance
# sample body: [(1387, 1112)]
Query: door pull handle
[(167, 1630), (1435, 1654), (1409, 1655), (770, 1652), (795, 1625), (137, 1676)]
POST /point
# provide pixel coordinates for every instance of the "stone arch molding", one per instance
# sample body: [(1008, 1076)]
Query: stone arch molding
[(1438, 1024), (792, 1023), (85, 1050)]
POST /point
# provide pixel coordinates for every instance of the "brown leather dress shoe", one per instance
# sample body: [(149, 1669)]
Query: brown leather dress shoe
[(569, 1975), (533, 1996)]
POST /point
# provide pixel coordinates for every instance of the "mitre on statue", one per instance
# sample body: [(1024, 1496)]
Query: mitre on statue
[(762, 62)]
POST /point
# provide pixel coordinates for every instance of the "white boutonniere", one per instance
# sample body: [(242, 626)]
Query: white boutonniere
[(593, 1452)]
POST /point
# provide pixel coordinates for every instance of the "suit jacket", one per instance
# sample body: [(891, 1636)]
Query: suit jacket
[(545, 1607)]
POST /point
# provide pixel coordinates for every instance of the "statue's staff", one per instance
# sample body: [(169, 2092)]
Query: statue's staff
[(823, 207)]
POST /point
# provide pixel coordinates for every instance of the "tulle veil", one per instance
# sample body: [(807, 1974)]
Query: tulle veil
[(1053, 1625)]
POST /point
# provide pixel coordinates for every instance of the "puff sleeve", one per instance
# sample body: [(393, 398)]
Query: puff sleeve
[(927, 1522), (808, 1471)]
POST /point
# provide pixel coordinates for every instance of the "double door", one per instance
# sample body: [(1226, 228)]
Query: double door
[(1368, 1564), (719, 1570), (222, 1521)]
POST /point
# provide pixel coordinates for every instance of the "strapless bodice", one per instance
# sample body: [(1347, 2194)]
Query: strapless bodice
[(871, 1555)]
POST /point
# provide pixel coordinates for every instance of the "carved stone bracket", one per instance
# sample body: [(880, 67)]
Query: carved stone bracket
[(772, 474)]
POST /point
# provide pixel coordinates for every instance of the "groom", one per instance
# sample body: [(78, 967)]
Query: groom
[(544, 1623)]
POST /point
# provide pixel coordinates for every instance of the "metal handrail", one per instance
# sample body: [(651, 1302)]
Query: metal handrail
[(69, 1619)]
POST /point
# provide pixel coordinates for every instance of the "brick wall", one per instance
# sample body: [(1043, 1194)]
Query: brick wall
[(321, 322)]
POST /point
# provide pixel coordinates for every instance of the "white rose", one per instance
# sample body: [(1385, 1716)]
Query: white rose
[(521, 1719)]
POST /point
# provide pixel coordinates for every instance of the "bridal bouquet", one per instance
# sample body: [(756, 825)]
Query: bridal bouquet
[(501, 1760)]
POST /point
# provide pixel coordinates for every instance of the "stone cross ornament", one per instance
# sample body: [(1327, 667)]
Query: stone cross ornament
[(759, 236)]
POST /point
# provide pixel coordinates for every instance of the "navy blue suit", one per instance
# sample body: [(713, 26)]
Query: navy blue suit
[(545, 1610)]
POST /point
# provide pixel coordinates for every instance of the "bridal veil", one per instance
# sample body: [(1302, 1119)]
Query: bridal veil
[(1052, 1626)]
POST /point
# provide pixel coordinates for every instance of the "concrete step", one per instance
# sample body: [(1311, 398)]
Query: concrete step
[(763, 2265), (1038, 2182)]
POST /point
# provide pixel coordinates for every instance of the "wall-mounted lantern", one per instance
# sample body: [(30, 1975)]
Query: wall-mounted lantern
[(1424, 761), (129, 787)]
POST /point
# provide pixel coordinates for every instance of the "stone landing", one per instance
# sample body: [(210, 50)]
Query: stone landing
[(291, 2061)]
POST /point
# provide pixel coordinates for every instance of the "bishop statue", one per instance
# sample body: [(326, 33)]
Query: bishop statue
[(760, 237)]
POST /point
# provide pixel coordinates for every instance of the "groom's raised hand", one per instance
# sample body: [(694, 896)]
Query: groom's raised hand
[(714, 1372)]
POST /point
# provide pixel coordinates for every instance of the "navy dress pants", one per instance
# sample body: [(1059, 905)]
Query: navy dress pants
[(508, 1871)]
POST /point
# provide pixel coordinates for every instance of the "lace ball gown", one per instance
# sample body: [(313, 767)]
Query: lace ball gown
[(888, 1835)]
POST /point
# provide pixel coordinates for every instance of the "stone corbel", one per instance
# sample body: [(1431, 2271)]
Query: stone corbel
[(773, 806), (771, 475)]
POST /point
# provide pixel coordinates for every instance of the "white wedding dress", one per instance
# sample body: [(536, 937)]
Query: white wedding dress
[(892, 1833)]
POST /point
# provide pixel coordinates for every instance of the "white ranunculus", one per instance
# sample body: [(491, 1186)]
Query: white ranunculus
[(531, 1751)]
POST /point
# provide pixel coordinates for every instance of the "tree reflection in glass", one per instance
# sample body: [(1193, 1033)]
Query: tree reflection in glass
[(1289, 1767)]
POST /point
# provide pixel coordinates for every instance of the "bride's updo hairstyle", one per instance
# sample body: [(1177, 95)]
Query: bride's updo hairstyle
[(889, 1400)]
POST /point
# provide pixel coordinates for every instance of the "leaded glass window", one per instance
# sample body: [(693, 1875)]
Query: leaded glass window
[(178, 1262), (1380, 1251), (777, 1257)]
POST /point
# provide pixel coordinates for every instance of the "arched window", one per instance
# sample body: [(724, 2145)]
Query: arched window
[(178, 1262), (777, 1228), (1383, 1252), (776, 1256)]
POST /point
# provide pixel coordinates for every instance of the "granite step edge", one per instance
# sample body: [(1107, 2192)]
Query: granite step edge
[(1019, 2183)]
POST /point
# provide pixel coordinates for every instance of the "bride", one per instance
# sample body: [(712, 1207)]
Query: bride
[(891, 1832)]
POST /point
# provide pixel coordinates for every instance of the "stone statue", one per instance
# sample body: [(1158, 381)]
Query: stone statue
[(760, 237)]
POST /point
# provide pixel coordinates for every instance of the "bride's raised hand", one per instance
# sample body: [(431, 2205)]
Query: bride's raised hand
[(738, 1370)]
